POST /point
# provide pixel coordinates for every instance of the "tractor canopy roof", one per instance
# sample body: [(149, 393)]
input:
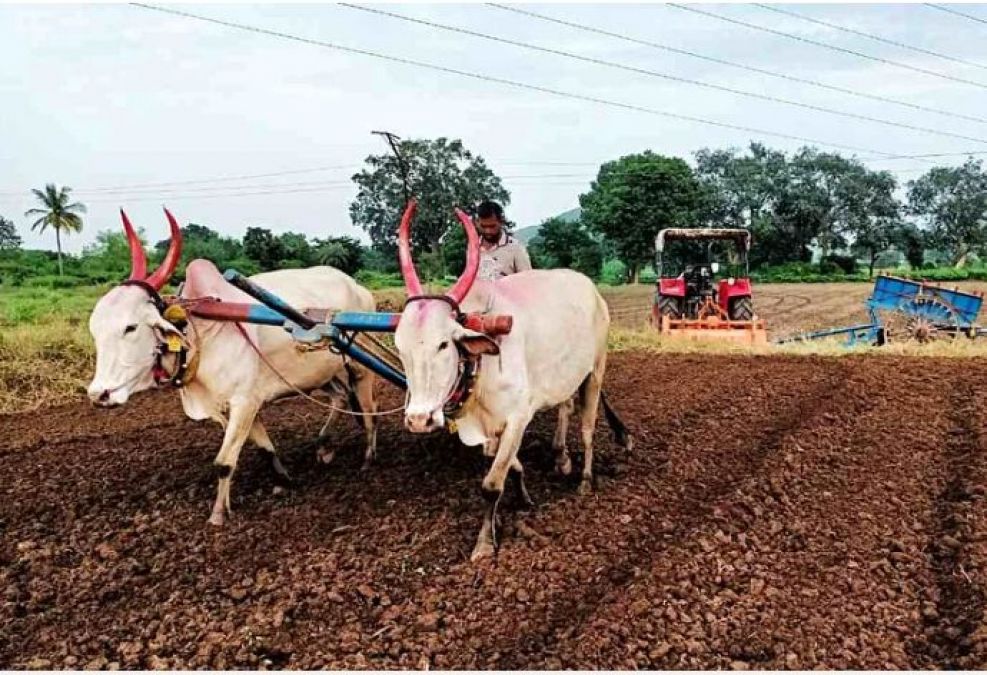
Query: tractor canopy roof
[(741, 237)]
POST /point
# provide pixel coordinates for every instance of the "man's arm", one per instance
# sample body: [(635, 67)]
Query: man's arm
[(522, 262)]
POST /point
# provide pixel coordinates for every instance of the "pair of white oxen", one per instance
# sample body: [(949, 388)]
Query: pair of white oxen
[(555, 355)]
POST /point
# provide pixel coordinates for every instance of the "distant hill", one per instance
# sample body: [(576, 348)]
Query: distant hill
[(526, 234)]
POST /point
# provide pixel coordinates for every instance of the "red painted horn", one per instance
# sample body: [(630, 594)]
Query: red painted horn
[(161, 275), (411, 282), (465, 281), (138, 261)]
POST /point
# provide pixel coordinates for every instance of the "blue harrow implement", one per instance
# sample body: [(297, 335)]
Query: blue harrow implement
[(902, 310)]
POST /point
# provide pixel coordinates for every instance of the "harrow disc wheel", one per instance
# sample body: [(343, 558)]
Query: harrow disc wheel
[(920, 320)]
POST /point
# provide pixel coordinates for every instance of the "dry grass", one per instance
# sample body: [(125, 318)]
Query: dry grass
[(44, 365), (647, 339)]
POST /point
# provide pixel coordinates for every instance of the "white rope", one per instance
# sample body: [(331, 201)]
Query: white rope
[(305, 394)]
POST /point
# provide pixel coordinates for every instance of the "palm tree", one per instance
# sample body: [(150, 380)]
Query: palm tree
[(57, 214)]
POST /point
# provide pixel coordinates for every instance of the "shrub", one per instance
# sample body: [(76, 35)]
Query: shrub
[(373, 280), (834, 264), (614, 273), (53, 281)]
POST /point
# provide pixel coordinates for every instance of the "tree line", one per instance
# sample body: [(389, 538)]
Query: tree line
[(792, 202)]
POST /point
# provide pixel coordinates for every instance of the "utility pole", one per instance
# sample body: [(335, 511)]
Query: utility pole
[(392, 140)]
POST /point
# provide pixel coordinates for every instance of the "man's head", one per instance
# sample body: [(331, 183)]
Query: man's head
[(490, 220)]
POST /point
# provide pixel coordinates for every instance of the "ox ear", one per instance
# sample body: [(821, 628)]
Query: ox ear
[(169, 331), (476, 343)]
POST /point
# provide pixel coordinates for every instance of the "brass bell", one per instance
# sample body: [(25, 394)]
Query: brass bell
[(175, 314)]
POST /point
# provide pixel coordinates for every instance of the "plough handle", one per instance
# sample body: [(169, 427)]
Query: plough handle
[(268, 298)]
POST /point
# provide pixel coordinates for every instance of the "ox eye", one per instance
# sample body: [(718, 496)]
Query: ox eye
[(445, 343), (130, 328)]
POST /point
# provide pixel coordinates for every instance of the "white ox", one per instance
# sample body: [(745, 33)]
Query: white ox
[(231, 381), (556, 351)]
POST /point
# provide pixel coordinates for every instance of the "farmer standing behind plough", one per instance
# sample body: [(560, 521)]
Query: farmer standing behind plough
[(500, 253)]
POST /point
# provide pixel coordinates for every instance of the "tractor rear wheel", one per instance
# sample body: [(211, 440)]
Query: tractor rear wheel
[(742, 309)]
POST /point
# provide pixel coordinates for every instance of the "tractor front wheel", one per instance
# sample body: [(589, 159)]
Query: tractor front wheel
[(669, 306), (742, 309)]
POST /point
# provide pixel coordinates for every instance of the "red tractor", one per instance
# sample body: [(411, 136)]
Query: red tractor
[(694, 299)]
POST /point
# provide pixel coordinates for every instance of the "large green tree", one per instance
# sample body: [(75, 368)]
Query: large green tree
[(951, 203), (635, 197), (564, 244), (873, 214), (261, 246), (755, 191), (57, 212), (790, 202), (9, 239), (442, 174), (343, 253), (296, 251)]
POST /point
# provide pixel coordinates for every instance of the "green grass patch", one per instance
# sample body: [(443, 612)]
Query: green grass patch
[(41, 305)]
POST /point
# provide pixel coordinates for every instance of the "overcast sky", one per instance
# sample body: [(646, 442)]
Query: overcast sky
[(116, 96)]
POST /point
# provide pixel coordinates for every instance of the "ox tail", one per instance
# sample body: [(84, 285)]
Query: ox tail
[(620, 431)]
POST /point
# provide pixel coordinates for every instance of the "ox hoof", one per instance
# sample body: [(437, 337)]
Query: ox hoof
[(586, 486), (217, 519), (365, 467), (564, 466), (482, 550), (326, 456), (279, 490)]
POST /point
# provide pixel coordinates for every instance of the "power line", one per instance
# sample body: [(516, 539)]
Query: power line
[(870, 36), (742, 66), (210, 188), (195, 181), (499, 80), (181, 197), (823, 45), (664, 76), (944, 8), (930, 155), (219, 179), (264, 186)]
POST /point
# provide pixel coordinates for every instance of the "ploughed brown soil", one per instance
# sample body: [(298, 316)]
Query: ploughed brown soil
[(776, 512)]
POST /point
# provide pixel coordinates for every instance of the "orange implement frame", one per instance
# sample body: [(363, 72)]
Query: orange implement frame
[(715, 328)]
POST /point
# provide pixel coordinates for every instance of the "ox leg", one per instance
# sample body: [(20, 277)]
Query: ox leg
[(237, 430), (521, 491), (493, 485), (367, 402), (590, 405), (326, 455), (563, 464), (259, 435)]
